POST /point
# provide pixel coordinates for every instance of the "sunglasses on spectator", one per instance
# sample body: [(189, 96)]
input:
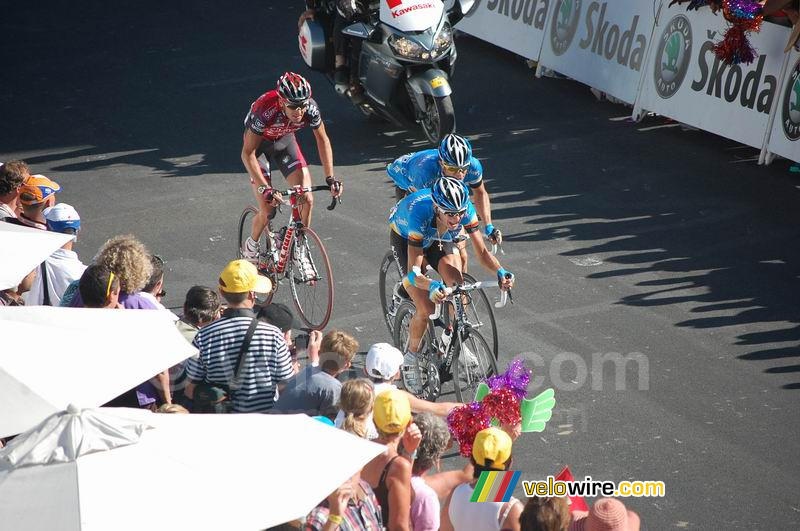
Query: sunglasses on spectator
[(455, 169)]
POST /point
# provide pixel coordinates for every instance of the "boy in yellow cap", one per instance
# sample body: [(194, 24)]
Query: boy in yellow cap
[(491, 451)]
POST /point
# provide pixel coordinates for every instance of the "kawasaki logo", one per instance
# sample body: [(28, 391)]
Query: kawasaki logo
[(566, 15), (790, 112), (672, 56), (400, 12)]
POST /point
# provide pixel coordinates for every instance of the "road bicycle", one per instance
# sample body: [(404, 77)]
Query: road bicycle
[(295, 254), (392, 294), (459, 352)]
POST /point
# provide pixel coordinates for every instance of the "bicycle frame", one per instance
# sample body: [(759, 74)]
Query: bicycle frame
[(294, 224)]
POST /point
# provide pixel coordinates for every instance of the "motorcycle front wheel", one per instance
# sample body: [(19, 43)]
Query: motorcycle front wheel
[(438, 118)]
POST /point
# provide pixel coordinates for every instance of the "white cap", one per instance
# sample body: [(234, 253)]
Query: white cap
[(62, 216), (383, 361)]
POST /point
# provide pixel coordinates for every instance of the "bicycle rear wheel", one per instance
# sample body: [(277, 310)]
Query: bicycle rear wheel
[(480, 314), (311, 279), (388, 277), (265, 265), (474, 362), (427, 353)]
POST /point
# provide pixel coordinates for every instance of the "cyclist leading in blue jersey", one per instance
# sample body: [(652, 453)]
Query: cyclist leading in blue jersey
[(424, 229), (453, 158)]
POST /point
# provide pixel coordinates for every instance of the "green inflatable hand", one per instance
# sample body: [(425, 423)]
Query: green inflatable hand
[(537, 411)]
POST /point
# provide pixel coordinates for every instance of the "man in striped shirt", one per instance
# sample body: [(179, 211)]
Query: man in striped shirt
[(266, 364)]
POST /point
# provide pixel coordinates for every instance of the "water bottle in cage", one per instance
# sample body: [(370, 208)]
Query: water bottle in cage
[(447, 336)]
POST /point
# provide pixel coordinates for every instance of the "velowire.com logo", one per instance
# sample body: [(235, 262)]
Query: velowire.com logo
[(673, 56), (790, 110), (564, 24)]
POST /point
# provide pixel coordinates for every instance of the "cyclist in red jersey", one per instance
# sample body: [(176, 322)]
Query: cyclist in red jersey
[(269, 141)]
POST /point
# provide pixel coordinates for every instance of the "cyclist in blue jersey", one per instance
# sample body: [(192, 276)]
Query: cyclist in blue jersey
[(425, 227), (419, 170)]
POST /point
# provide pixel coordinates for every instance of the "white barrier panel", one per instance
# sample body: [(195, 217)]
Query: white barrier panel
[(600, 43), (516, 25), (785, 137), (685, 81)]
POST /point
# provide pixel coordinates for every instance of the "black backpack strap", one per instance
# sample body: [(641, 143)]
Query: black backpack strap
[(243, 350), (45, 286)]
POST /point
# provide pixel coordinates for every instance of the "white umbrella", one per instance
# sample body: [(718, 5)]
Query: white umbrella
[(52, 357), (125, 469), (24, 249)]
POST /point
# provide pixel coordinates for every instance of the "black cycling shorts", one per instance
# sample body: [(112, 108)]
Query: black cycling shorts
[(432, 254), (284, 154)]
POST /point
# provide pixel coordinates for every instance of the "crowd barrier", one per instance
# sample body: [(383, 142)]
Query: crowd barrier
[(658, 59)]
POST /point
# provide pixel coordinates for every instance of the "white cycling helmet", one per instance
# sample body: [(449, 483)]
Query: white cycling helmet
[(455, 150), (450, 194)]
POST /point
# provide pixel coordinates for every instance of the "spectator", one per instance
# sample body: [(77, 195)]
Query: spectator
[(355, 401), (491, 450), (99, 287), (266, 365), (37, 193), (153, 290), (607, 514), (129, 259), (315, 390), (200, 308), (172, 408), (383, 368), (545, 514), (351, 507), (280, 315), (435, 438), (12, 176), (389, 476), (63, 266), (13, 296)]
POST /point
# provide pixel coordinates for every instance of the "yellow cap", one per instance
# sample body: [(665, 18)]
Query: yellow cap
[(392, 411), (36, 189), (240, 276), (492, 448)]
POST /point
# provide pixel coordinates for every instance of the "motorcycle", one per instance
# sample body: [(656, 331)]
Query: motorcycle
[(403, 57)]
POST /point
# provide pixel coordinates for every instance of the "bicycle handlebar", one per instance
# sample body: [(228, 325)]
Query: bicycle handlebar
[(305, 189), (505, 295)]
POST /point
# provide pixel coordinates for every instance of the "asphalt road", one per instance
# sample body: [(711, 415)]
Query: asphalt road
[(663, 243)]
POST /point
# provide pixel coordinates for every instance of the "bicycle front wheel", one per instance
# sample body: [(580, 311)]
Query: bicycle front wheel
[(311, 279), (265, 265), (481, 315), (474, 362)]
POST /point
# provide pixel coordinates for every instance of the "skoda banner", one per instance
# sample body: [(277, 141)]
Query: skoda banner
[(785, 137), (516, 25), (686, 82), (600, 43)]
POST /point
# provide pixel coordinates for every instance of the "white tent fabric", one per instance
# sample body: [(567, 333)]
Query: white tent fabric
[(52, 357), (23, 249), (199, 472)]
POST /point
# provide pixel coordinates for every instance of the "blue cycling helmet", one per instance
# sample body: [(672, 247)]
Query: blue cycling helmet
[(455, 151), (450, 194), (62, 218)]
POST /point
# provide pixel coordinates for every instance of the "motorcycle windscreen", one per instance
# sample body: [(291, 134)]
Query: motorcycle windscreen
[(411, 15)]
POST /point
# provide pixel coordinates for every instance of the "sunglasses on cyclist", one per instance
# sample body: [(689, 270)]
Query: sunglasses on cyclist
[(453, 213), (296, 106), (455, 169)]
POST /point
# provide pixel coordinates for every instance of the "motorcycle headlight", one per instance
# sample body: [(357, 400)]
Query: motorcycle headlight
[(443, 40), (405, 47)]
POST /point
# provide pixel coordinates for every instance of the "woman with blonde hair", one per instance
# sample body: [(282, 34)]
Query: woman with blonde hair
[(356, 400), (129, 260)]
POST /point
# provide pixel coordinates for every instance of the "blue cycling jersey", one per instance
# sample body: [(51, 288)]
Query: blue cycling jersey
[(416, 171), (414, 219)]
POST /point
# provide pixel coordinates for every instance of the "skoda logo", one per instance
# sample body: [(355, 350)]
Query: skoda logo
[(672, 57), (790, 113), (564, 24)]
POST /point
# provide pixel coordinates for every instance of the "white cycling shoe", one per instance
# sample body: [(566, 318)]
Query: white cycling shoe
[(412, 379)]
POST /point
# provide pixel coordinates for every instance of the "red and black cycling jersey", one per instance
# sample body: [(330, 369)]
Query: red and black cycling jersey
[(267, 120)]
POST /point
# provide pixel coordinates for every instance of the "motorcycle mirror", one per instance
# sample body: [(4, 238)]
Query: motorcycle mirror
[(359, 30), (460, 9)]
